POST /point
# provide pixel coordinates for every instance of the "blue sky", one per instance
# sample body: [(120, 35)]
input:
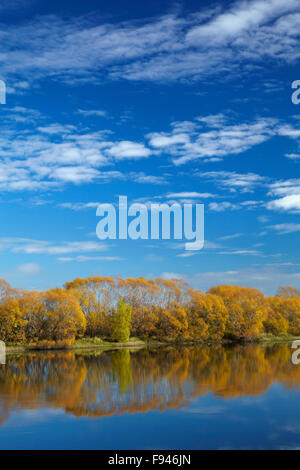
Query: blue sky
[(171, 101)]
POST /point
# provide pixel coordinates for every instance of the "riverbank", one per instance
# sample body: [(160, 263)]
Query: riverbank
[(269, 338), (134, 343), (84, 343)]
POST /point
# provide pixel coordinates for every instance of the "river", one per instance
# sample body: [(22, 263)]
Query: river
[(233, 397)]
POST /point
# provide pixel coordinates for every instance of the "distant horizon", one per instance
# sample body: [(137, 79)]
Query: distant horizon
[(204, 290)]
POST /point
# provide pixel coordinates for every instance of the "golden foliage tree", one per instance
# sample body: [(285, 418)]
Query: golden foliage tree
[(291, 312), (64, 317), (96, 296), (247, 309), (11, 322), (288, 292), (147, 308), (275, 323), (34, 316)]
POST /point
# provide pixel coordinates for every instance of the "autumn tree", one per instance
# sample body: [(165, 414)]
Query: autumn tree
[(160, 308), (275, 322), (11, 322), (197, 327), (144, 321), (34, 316), (207, 315), (170, 292), (288, 292), (212, 310), (172, 323), (63, 315), (96, 295), (5, 290), (247, 309), (291, 312), (138, 292)]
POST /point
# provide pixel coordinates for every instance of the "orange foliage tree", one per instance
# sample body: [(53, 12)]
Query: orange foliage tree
[(96, 297), (247, 309), (160, 308), (275, 321), (291, 311)]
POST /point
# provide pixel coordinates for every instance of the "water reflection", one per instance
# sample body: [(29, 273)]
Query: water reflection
[(97, 384)]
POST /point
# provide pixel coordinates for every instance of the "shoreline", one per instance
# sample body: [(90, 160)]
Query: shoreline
[(88, 344), (18, 349)]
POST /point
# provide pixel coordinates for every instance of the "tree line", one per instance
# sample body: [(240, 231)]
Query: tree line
[(159, 309)]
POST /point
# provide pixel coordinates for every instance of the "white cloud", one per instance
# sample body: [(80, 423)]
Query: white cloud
[(251, 204), (214, 120), (30, 246), (75, 174), (287, 203), (169, 275), (78, 206), (59, 154), (240, 18), (52, 155), (247, 32), (32, 269), (285, 187), (197, 246), (148, 179), (286, 228), (159, 140), (222, 206), (214, 142), (230, 237), (289, 192), (234, 181), (262, 219), (81, 259), (169, 47), (189, 195), (265, 277), (127, 149), (92, 112), (289, 131), (293, 156), (240, 252), (53, 249)]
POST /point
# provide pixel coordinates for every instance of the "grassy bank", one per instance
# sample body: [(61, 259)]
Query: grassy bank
[(269, 338), (98, 343), (90, 343), (79, 344)]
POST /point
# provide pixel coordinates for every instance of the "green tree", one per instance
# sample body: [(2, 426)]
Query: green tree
[(120, 322), (121, 367)]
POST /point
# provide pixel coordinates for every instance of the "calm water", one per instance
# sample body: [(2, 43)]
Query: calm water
[(189, 398)]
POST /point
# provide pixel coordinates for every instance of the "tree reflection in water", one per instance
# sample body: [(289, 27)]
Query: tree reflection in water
[(102, 383)]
